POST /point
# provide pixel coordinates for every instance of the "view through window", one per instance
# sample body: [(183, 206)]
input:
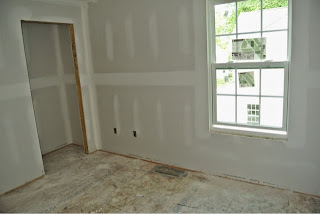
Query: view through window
[(250, 63)]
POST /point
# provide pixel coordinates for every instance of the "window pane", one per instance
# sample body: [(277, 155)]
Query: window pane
[(248, 111), (276, 45), (225, 18), (249, 47), (271, 112), (275, 14), (248, 81), (272, 82), (226, 109), (249, 16), (224, 48), (225, 80)]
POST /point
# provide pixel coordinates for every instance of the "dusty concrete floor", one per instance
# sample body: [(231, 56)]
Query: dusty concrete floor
[(103, 182)]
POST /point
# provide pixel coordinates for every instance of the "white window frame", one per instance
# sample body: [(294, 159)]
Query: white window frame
[(234, 128)]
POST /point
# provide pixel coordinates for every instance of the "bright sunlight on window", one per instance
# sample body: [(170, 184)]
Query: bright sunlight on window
[(248, 43)]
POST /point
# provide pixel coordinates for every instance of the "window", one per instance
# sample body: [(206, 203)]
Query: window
[(253, 114), (248, 55)]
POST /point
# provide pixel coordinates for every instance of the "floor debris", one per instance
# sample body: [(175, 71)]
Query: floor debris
[(103, 182)]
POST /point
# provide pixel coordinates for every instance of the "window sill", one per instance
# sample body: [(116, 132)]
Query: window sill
[(249, 132)]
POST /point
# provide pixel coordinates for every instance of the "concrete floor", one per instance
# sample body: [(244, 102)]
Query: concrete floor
[(103, 182)]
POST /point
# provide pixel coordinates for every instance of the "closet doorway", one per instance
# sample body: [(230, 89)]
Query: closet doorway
[(52, 64)]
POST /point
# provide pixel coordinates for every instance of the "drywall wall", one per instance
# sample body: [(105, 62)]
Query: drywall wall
[(150, 71), (50, 67), (49, 118), (20, 155), (74, 114)]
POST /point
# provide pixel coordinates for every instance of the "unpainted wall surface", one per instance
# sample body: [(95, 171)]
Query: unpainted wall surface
[(50, 67), (149, 112), (74, 114), (49, 118), (147, 36), (20, 155), (150, 70), (39, 45)]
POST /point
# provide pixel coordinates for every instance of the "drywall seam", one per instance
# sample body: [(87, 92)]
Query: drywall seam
[(129, 35), (116, 113), (183, 27), (14, 91), (48, 81), (173, 78), (159, 119), (69, 79), (136, 116), (62, 87), (44, 82), (92, 88), (188, 128), (109, 41), (64, 3), (153, 35)]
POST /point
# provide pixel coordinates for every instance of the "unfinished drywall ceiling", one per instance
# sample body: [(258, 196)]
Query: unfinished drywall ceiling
[(150, 70), (50, 68), (20, 156)]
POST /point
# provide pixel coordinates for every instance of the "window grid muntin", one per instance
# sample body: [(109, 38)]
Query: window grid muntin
[(251, 32)]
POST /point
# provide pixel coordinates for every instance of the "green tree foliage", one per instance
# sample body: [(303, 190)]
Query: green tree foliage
[(267, 4)]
